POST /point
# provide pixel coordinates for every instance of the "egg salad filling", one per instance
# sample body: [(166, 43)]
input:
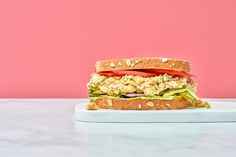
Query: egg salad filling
[(148, 86)]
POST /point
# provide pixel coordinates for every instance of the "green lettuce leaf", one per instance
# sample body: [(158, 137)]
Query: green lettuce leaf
[(188, 95), (177, 91)]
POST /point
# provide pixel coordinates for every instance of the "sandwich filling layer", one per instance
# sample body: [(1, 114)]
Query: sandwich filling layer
[(147, 86)]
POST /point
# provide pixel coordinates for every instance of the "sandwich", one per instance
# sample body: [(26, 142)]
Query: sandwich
[(143, 84)]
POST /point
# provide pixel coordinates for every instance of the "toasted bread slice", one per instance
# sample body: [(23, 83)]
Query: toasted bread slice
[(139, 104), (142, 63)]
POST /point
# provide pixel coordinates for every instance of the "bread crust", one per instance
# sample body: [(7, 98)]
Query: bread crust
[(143, 63), (139, 104)]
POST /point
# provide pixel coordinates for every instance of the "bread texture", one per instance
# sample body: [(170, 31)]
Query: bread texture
[(142, 63), (139, 104)]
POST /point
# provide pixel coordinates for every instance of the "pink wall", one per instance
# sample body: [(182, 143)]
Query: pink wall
[(48, 48)]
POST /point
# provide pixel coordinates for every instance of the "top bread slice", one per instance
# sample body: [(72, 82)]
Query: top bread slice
[(143, 63)]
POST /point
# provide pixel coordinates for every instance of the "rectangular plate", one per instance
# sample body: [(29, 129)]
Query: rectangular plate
[(221, 111)]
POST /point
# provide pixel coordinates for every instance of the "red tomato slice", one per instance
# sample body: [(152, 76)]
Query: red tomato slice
[(145, 73), (170, 72), (135, 73), (128, 72), (109, 74)]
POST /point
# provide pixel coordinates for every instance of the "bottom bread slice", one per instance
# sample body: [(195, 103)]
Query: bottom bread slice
[(139, 104)]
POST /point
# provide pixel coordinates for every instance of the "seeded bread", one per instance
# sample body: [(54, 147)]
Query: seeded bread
[(142, 63), (139, 104)]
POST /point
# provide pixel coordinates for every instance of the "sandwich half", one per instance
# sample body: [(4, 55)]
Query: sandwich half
[(143, 84)]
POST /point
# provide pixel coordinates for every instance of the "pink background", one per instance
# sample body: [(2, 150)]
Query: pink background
[(48, 48)]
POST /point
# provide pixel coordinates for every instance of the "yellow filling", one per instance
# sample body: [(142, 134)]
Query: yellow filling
[(149, 86)]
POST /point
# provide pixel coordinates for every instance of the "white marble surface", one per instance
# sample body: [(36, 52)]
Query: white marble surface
[(46, 128)]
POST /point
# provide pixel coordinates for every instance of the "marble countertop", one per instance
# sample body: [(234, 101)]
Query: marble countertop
[(46, 128)]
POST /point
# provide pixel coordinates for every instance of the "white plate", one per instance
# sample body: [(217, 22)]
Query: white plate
[(221, 111)]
